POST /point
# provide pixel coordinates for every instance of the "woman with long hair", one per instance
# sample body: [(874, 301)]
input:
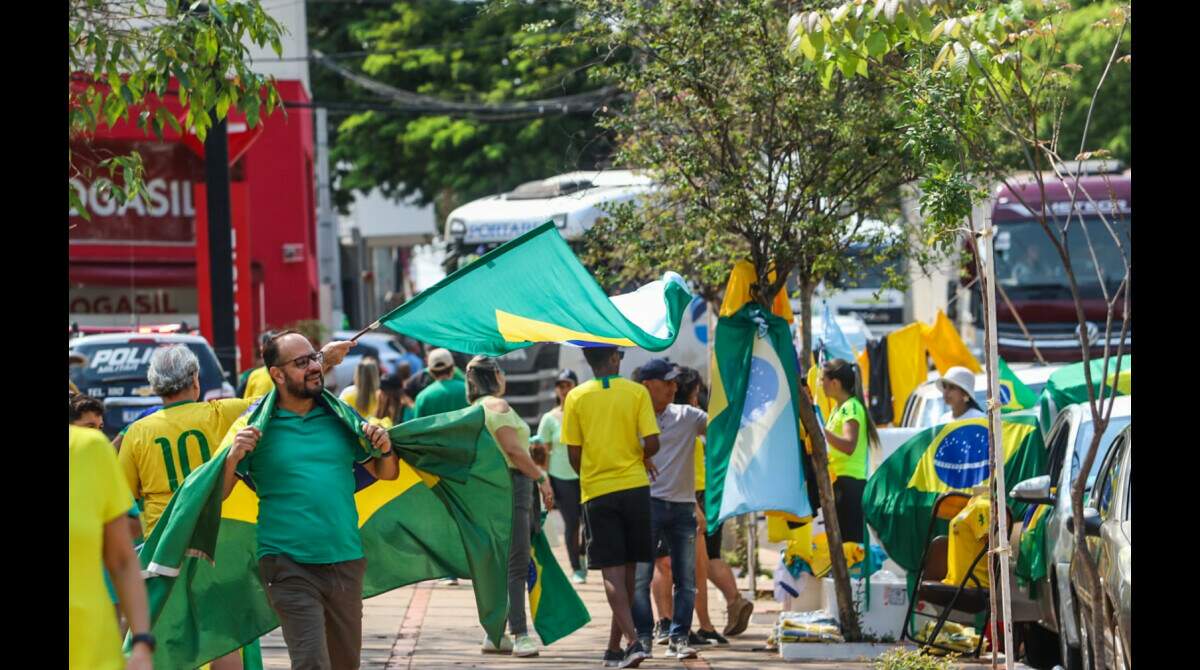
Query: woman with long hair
[(563, 478), (394, 406), (848, 432), (363, 394), (485, 386)]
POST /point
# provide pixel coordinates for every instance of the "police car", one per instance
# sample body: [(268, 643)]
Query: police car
[(115, 366)]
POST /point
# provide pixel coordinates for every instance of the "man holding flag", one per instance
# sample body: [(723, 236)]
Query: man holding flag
[(309, 549)]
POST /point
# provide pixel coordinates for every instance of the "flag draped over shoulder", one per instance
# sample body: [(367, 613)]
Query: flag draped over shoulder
[(448, 514), (753, 455), (1068, 385), (555, 607), (899, 497), (534, 289)]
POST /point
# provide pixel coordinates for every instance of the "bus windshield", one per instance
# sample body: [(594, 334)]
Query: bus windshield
[(1026, 258)]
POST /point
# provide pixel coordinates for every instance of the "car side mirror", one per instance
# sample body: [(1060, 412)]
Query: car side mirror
[(1035, 490)]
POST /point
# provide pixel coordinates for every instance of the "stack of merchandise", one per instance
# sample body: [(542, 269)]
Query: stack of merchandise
[(794, 627), (955, 636)]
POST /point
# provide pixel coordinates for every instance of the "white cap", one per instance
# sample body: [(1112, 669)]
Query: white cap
[(439, 359), (960, 377)]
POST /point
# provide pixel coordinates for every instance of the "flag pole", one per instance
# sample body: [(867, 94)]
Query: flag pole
[(364, 331), (987, 255)]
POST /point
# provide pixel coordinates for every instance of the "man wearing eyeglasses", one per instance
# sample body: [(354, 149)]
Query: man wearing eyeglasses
[(310, 553)]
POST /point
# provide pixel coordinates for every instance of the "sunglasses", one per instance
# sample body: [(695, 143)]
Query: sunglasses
[(302, 362)]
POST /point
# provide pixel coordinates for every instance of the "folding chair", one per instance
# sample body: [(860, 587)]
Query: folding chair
[(949, 598)]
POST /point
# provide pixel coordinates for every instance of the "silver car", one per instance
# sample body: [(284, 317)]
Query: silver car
[(1056, 639), (1107, 522)]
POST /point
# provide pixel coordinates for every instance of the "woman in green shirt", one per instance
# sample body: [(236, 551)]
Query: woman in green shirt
[(563, 478), (485, 385), (848, 433)]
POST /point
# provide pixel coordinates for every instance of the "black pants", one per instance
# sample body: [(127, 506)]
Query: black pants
[(566, 499), (847, 497), (319, 609)]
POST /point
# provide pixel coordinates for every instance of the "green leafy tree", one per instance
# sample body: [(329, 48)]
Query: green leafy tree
[(755, 158), (123, 55), (975, 72), (462, 52)]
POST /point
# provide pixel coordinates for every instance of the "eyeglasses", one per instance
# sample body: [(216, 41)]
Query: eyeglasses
[(302, 362)]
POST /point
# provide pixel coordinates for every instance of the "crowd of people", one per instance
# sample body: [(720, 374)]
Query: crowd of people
[(622, 460)]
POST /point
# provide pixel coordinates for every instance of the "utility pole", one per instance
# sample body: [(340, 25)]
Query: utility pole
[(220, 243), (329, 265)]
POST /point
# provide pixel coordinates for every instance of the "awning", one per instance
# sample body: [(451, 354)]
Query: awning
[(137, 274)]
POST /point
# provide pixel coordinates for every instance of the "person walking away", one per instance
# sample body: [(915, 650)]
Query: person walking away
[(563, 478), (485, 386), (310, 554), (956, 387), (394, 406), (363, 394), (848, 432), (258, 382), (98, 501), (672, 503), (611, 433), (447, 392)]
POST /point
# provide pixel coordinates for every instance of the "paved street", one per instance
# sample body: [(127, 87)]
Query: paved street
[(430, 626)]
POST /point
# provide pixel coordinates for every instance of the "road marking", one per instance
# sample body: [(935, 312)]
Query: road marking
[(410, 629)]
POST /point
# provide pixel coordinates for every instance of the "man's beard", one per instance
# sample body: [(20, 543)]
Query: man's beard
[(302, 390)]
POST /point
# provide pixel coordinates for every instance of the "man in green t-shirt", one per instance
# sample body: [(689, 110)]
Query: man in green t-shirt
[(310, 554), (448, 391)]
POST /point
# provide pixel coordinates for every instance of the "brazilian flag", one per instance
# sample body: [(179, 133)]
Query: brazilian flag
[(1031, 557), (448, 514), (555, 607), (1068, 385), (1014, 394), (533, 289), (899, 496)]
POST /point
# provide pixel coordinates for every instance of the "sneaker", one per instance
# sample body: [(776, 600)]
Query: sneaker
[(612, 659), (506, 646), (580, 577), (662, 631), (681, 650), (635, 653), (706, 637), (738, 616), (647, 647), (524, 647)]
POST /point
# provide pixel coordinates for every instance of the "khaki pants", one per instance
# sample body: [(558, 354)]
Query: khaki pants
[(319, 609)]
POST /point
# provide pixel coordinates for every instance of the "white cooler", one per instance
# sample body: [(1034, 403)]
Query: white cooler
[(889, 603)]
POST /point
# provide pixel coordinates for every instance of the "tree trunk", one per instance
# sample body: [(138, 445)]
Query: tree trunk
[(847, 617)]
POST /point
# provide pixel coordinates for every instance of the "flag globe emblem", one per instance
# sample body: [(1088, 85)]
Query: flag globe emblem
[(762, 390), (960, 455), (1006, 393)]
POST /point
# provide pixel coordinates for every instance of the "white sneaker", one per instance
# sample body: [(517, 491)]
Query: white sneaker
[(525, 647), (580, 577), (506, 645)]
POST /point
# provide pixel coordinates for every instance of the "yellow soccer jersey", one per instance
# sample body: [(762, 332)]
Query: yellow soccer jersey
[(159, 451), (258, 384)]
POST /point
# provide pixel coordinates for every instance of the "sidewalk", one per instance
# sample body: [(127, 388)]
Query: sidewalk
[(434, 626)]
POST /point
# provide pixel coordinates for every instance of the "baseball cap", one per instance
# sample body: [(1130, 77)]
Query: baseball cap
[(658, 368), (567, 375), (960, 377), (439, 359)]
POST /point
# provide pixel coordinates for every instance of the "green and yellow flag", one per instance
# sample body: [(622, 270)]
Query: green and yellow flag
[(555, 607), (899, 497), (1068, 385), (448, 514), (1014, 394), (534, 289)]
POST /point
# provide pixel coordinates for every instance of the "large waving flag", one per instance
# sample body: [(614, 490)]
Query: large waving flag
[(1068, 385), (1014, 394), (534, 289), (753, 455), (899, 497), (556, 609), (448, 514)]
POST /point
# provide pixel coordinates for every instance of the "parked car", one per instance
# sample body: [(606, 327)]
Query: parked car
[(925, 404), (1107, 524), (1058, 640), (382, 347), (116, 366)]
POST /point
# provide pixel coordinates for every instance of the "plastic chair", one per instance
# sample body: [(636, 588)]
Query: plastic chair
[(949, 598)]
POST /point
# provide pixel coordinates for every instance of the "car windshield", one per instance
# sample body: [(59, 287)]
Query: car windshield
[(1026, 260), (1083, 440), (126, 362)]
